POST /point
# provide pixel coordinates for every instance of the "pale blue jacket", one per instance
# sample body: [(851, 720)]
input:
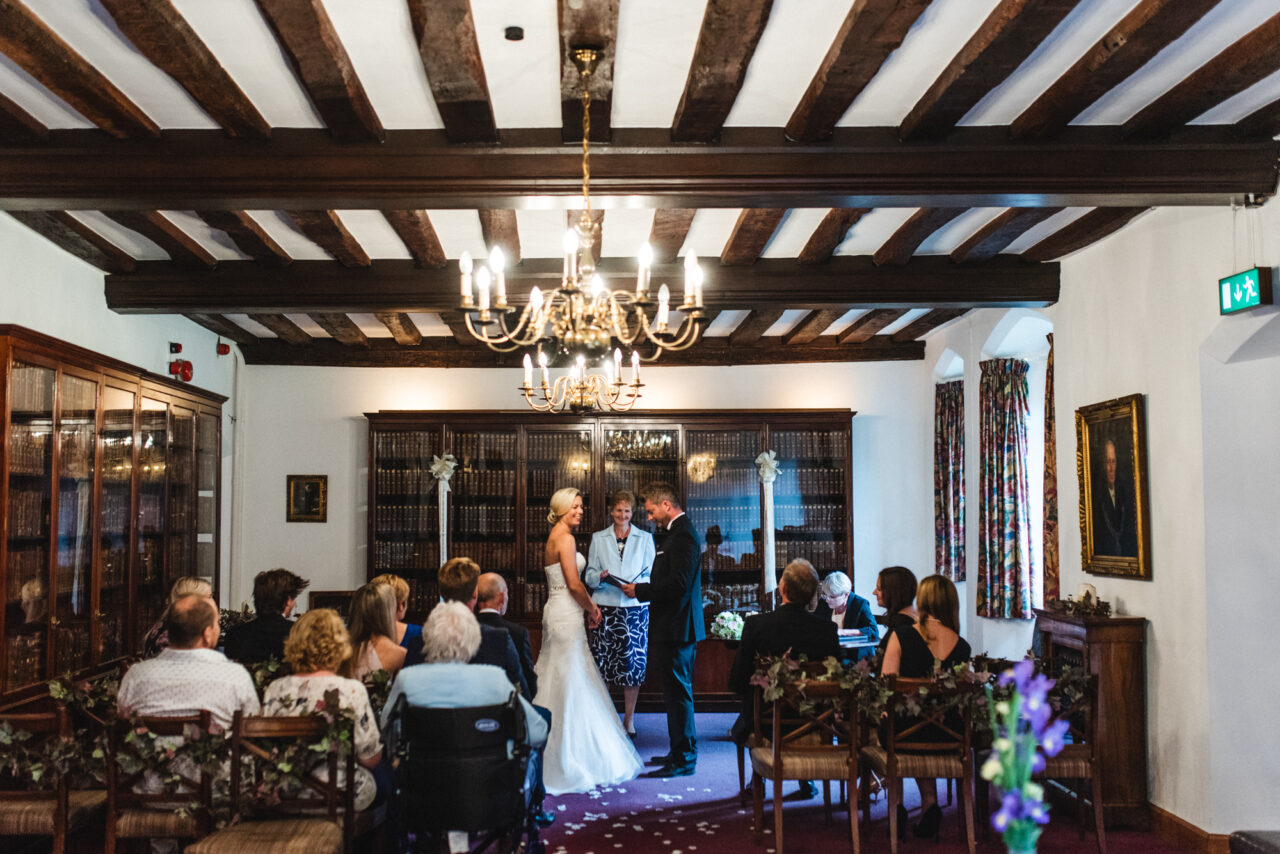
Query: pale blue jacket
[(636, 563)]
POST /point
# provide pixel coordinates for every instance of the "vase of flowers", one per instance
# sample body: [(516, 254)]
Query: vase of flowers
[(727, 625), (1024, 732)]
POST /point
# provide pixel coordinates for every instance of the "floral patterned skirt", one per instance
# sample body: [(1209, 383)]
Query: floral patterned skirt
[(620, 644)]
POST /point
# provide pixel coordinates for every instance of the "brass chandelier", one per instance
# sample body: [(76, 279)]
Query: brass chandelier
[(582, 319)]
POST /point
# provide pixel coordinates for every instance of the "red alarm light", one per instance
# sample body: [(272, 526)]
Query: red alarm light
[(223, 348)]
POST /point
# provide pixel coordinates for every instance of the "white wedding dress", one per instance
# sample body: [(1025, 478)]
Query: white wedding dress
[(587, 746)]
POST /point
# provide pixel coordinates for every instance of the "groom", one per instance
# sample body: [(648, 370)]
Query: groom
[(675, 624)]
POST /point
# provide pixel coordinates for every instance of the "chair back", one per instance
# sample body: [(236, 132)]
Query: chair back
[(129, 789), (809, 718), (943, 724), (40, 726), (463, 769)]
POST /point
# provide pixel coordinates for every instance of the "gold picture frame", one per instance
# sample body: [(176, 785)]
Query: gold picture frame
[(1111, 464), (307, 498)]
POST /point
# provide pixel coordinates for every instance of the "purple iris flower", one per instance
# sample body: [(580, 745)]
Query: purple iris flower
[(1037, 763), (1054, 737), (1011, 809)]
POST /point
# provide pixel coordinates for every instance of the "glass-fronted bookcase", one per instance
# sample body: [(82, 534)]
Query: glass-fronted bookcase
[(109, 480), (509, 464)]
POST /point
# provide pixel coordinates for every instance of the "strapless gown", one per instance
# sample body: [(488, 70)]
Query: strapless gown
[(587, 746)]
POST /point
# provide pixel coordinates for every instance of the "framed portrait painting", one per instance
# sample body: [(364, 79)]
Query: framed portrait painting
[(308, 498), (1111, 463)]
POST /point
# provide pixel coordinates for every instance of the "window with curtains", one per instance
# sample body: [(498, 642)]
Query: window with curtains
[(1005, 569), (948, 479)]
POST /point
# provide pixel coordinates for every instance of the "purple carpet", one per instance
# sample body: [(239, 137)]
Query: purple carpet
[(702, 815)]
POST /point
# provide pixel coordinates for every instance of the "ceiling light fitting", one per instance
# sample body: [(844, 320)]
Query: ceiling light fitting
[(582, 319)]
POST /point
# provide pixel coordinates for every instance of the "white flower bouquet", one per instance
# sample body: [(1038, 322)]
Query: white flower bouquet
[(727, 625)]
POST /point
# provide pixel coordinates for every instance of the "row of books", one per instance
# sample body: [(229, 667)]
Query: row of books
[(557, 446), (31, 389), (24, 565), (490, 447), (404, 480), (28, 450), (28, 512), (409, 447), (484, 482), (420, 519), (791, 444), (727, 482), (743, 444), (391, 556), (545, 481)]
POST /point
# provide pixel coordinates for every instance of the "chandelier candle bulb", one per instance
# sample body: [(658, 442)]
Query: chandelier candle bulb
[(635, 368), (691, 270), (609, 372), (617, 365), (664, 308), (571, 245), (528, 371), (642, 275), (546, 375), (482, 284), (464, 265), (498, 263), (697, 286)]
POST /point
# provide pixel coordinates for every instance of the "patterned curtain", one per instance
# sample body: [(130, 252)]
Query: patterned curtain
[(1004, 529), (948, 478), (1050, 485)]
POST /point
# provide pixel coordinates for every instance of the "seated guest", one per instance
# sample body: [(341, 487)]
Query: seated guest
[(896, 593), (790, 629), (157, 638), (405, 632), (491, 607), (373, 627), (850, 612), (315, 649), (190, 675), (275, 593), (932, 644)]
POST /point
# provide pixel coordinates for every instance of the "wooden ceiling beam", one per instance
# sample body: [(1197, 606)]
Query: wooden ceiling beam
[(419, 236), (445, 33), (667, 236), (1090, 228), (221, 326), (1263, 122), (871, 31), (860, 167), (457, 325), (308, 38), (284, 328), (443, 353), (810, 327), (499, 229), (1251, 58), (751, 234), (731, 29), (341, 328), (829, 234), (70, 234), (1007, 37), (582, 24), (1146, 30), (326, 230), (153, 225), (401, 326), (160, 33), (248, 236), (990, 240), (870, 324), (926, 323), (42, 53), (903, 243), (754, 325), (17, 125)]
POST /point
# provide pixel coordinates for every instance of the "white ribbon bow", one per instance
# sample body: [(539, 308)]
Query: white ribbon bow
[(768, 463), (442, 469)]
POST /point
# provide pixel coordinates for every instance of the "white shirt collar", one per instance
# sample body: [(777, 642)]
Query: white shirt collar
[(490, 611)]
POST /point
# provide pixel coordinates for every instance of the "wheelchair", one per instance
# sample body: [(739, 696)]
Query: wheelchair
[(464, 770)]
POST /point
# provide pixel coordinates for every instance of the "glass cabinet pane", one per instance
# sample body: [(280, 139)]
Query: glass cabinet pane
[(77, 444), (406, 526), (153, 452), (811, 514), (484, 498), (30, 497), (207, 456), (180, 507), (556, 459), (724, 503), (117, 520), (635, 458)]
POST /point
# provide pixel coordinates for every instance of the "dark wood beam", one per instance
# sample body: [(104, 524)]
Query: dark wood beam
[(670, 228), (326, 230), (731, 29), (926, 323), (446, 36), (153, 225), (499, 229), (992, 238), (903, 243), (829, 234), (1146, 30), (587, 24), (1263, 122), (309, 40), (42, 53), (284, 328), (860, 167), (754, 325), (572, 218), (401, 326), (751, 233), (248, 236), (164, 37), (810, 327), (458, 328), (869, 324), (341, 328), (1008, 36), (443, 353), (70, 234), (846, 282), (418, 235), (1250, 59), (219, 325), (871, 31), (17, 125), (1090, 228)]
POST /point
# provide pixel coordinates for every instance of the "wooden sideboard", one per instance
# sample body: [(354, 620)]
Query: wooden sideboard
[(1113, 649)]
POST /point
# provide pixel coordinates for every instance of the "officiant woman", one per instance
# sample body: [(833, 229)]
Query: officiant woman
[(619, 645)]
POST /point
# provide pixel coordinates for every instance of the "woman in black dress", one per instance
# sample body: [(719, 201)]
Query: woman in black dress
[(896, 593), (933, 644)]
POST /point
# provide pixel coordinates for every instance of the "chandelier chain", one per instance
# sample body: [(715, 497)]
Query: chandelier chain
[(586, 141)]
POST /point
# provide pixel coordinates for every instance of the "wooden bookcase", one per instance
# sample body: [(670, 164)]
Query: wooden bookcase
[(109, 480)]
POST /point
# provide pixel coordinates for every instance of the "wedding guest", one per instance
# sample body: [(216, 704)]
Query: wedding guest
[(849, 611), (157, 639), (275, 593), (405, 632), (491, 610), (373, 627), (896, 593), (316, 647)]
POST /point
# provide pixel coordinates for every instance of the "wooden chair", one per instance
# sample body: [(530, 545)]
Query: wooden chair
[(903, 752), (57, 812), (802, 743), (1078, 760), (307, 825), (165, 814)]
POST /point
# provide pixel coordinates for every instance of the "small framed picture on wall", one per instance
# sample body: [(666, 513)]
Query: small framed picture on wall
[(1111, 463), (308, 498)]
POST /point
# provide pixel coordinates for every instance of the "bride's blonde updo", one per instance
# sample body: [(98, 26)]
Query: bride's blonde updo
[(562, 503)]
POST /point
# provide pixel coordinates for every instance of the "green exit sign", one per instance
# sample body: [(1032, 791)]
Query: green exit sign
[(1244, 291)]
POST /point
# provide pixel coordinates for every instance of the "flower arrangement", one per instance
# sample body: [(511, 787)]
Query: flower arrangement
[(727, 625), (1025, 733)]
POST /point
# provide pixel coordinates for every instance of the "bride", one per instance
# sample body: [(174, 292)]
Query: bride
[(587, 746)]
